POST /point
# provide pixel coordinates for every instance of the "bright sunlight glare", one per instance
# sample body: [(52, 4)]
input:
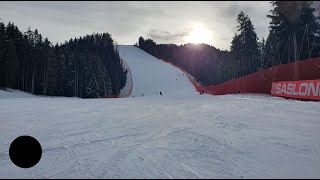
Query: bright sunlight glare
[(199, 34)]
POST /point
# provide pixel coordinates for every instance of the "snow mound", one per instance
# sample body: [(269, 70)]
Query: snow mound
[(12, 93)]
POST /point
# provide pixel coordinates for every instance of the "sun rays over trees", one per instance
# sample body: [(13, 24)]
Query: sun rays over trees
[(293, 35)]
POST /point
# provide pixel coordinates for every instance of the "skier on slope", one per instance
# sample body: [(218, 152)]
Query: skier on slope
[(160, 93)]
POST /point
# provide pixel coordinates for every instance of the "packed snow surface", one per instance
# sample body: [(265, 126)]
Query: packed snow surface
[(191, 136), (150, 76)]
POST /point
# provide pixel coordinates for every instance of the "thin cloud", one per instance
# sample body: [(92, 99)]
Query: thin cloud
[(166, 22), (166, 36)]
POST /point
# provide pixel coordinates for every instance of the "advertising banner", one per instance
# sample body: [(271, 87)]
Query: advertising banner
[(304, 89)]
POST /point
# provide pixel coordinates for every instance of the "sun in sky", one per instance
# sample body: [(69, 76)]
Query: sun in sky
[(199, 34)]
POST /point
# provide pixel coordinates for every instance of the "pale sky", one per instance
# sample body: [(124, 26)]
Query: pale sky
[(164, 22)]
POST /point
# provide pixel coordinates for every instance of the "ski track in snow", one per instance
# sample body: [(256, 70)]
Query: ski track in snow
[(194, 136), (151, 75), (179, 135)]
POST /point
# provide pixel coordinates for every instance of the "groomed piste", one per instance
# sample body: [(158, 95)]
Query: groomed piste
[(150, 76), (180, 134)]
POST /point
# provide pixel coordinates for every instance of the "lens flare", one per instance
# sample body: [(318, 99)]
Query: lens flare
[(199, 34)]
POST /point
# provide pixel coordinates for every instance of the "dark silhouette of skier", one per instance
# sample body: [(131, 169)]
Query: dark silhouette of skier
[(160, 93)]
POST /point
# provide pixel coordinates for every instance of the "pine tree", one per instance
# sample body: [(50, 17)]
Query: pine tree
[(236, 47), (11, 65), (88, 67), (244, 45), (52, 72), (290, 22), (263, 55), (45, 58), (2, 53), (141, 42)]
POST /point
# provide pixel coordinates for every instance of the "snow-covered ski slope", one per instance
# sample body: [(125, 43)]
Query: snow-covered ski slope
[(200, 136), (151, 75)]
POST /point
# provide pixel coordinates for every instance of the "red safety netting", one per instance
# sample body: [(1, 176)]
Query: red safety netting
[(261, 81)]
